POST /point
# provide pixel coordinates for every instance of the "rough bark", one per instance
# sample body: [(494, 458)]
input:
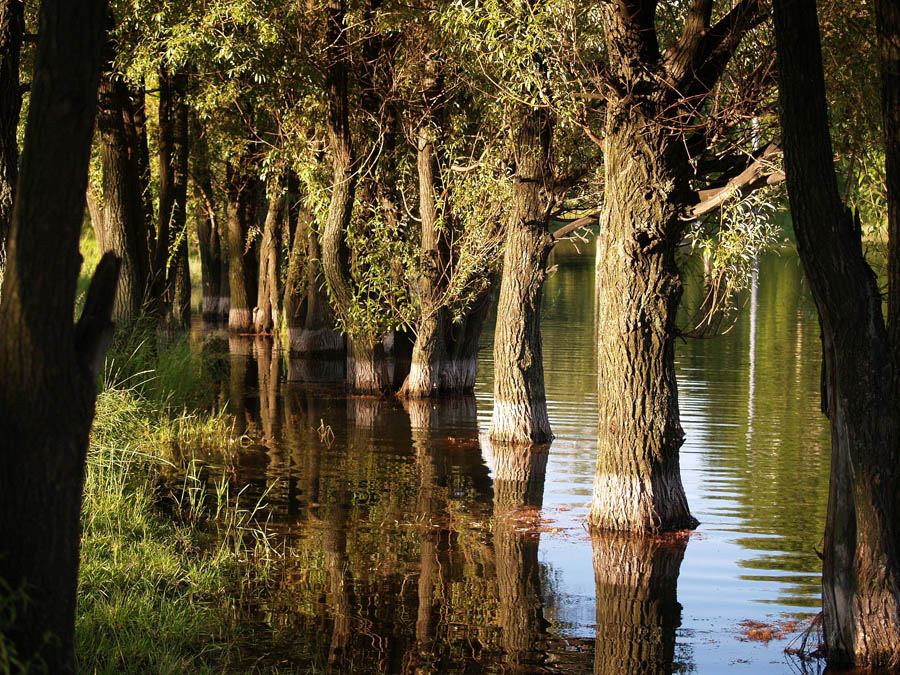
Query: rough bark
[(861, 569), (430, 358), (136, 134), (637, 602), (268, 297), (242, 269), (120, 232), (520, 404), (638, 480), (49, 365), (12, 30)]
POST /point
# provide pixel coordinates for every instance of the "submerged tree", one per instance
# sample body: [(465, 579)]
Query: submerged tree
[(658, 124), (861, 561), (49, 364)]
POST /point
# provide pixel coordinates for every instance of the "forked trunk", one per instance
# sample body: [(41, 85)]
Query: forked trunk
[(268, 297), (520, 404), (638, 486), (637, 602)]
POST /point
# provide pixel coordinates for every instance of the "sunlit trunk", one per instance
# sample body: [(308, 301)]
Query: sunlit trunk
[(268, 295), (638, 480), (242, 269), (520, 405)]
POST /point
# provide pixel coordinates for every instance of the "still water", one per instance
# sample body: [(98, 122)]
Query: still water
[(408, 557)]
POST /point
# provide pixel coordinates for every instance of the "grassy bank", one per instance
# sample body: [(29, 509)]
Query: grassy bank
[(168, 552)]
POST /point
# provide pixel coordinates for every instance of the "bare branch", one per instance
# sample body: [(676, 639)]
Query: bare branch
[(753, 177), (569, 228)]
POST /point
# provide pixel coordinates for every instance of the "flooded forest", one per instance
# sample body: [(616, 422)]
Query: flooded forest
[(481, 336)]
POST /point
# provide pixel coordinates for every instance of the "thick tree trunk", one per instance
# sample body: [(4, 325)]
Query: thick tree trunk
[(638, 481), (861, 567), (120, 232), (136, 134), (49, 365), (12, 30), (241, 260), (519, 473), (268, 295), (367, 367), (637, 602), (520, 405)]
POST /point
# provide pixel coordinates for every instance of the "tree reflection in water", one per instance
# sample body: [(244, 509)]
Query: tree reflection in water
[(519, 472), (637, 606)]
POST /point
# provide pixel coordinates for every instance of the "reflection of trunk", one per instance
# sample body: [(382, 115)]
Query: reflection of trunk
[(119, 229), (638, 481), (240, 350), (861, 561), (334, 544), (12, 30), (269, 371), (241, 263), (518, 484), (637, 607), (520, 406)]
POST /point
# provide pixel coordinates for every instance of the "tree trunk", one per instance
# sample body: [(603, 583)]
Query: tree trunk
[(637, 602), (119, 229), (520, 405), (241, 264), (12, 30), (367, 367), (135, 126), (861, 569), (638, 481), (179, 274), (173, 284), (208, 235), (268, 295), (49, 365), (427, 375), (519, 473), (887, 19)]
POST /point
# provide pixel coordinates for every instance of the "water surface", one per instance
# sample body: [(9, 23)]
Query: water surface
[(410, 556)]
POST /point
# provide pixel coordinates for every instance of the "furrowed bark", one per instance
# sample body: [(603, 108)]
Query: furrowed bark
[(861, 568), (242, 270), (520, 405), (120, 232)]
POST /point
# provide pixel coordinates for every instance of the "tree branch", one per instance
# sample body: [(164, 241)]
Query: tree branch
[(95, 328), (680, 57), (753, 177), (569, 228)]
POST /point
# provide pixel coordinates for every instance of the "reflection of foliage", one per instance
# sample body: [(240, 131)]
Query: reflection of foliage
[(732, 239)]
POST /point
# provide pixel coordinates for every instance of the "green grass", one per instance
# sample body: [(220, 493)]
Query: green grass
[(167, 551)]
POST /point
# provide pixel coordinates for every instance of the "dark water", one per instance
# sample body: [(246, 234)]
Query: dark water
[(410, 557)]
